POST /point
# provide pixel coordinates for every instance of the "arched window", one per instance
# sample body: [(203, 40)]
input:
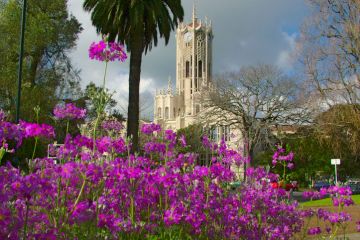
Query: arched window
[(174, 113), (187, 69), (197, 108), (200, 68), (159, 112), (166, 112), (214, 133), (226, 133)]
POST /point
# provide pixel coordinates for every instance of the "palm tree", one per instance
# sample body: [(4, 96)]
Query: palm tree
[(137, 24)]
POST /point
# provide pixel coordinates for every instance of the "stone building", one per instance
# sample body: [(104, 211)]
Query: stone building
[(178, 108)]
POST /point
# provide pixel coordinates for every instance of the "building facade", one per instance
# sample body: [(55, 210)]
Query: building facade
[(178, 108)]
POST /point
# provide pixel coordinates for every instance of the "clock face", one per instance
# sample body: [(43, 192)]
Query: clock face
[(187, 37)]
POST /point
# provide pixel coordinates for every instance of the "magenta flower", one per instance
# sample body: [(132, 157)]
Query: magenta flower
[(37, 130), (103, 51), (11, 131), (104, 144), (290, 165), (149, 129), (314, 231), (182, 140), (112, 125), (69, 111), (2, 115)]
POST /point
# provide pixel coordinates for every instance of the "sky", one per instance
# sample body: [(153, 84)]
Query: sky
[(246, 32)]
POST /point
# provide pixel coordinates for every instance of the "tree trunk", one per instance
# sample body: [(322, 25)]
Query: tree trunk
[(134, 89), (36, 58)]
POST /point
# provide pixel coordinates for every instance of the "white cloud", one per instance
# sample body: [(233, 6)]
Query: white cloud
[(285, 58), (246, 32)]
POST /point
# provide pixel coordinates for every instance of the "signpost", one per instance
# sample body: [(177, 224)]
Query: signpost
[(335, 162), (22, 37)]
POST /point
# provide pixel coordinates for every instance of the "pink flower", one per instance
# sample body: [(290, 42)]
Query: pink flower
[(182, 140), (103, 51), (149, 129), (290, 165), (69, 111), (37, 130)]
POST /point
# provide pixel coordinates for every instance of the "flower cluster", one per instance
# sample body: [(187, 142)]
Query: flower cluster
[(11, 132), (149, 129), (107, 51), (341, 196), (101, 191), (69, 111), (281, 156), (37, 130), (2, 115), (112, 125)]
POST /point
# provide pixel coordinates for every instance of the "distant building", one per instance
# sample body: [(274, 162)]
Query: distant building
[(178, 108), (175, 109)]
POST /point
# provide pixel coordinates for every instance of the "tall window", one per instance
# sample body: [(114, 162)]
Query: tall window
[(166, 112), (197, 108), (226, 133), (191, 86), (214, 133), (187, 69), (174, 113), (159, 112), (200, 68)]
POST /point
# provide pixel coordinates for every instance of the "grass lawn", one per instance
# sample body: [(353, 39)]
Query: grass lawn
[(327, 202)]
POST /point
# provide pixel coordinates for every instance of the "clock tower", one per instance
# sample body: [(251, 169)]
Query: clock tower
[(179, 109)]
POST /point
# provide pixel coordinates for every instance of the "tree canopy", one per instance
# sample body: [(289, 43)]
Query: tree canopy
[(48, 74), (138, 24), (255, 99)]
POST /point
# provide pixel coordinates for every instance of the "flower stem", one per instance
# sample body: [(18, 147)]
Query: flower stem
[(106, 65), (35, 146), (79, 196), (67, 128), (26, 220)]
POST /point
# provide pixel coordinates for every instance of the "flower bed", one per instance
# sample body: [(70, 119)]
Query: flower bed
[(98, 190)]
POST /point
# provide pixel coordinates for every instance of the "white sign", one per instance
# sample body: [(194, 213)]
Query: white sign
[(335, 161)]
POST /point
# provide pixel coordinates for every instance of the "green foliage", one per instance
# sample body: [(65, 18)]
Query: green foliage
[(138, 25), (339, 130), (311, 158), (335, 134), (327, 202), (130, 20), (48, 75), (193, 134), (99, 101)]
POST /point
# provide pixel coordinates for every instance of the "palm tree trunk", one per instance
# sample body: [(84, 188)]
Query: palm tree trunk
[(134, 90)]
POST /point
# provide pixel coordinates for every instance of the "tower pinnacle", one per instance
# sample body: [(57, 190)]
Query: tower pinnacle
[(169, 90), (194, 12)]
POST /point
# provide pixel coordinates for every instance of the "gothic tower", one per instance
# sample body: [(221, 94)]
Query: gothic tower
[(193, 75)]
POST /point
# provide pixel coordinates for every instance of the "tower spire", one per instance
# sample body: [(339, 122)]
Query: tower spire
[(194, 12), (169, 90)]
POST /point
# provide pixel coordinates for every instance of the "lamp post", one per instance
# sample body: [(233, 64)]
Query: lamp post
[(22, 37), (335, 162)]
